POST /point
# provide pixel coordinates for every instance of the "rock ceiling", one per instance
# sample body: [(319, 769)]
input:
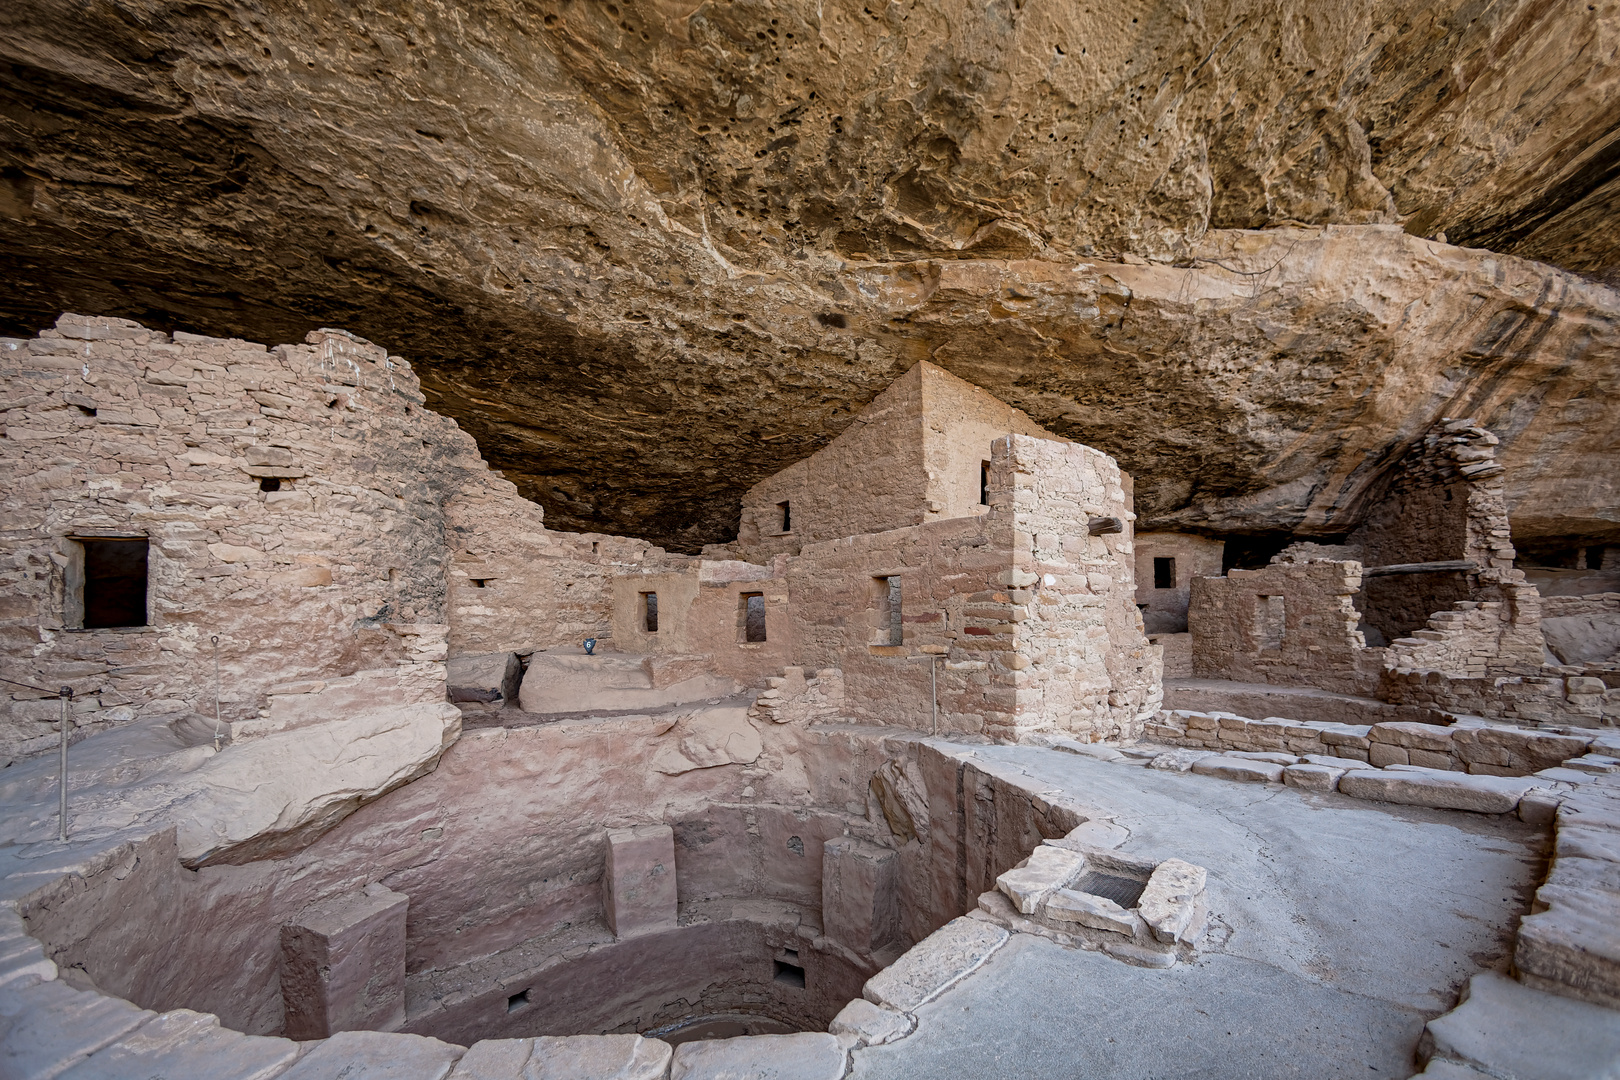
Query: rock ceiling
[(650, 251)]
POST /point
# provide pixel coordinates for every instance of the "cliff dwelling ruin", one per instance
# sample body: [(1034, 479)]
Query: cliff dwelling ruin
[(641, 541)]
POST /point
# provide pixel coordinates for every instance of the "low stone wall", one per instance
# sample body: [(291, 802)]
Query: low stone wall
[(1300, 703), (1478, 749), (1575, 700)]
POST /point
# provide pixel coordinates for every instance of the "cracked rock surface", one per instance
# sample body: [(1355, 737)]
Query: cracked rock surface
[(650, 251)]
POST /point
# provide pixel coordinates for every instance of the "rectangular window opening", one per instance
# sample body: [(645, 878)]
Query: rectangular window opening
[(1594, 558), (789, 974), (984, 483), (753, 613), (1164, 573), (787, 516), (1270, 621), (479, 583), (649, 611), (890, 629), (112, 591), (517, 1001), (269, 483)]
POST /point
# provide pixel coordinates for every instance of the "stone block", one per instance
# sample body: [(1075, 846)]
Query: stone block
[(1312, 777), (1429, 759), (1169, 902), (860, 893), (872, 1025), (804, 1056), (598, 1057), (487, 680), (1506, 1029), (187, 1045), (49, 1026), (1539, 806), (1100, 834), (1097, 912), (1274, 756), (1231, 768), (376, 1055), (1381, 754), (1046, 869), (1521, 750), (934, 964), (1573, 947), (1414, 786), (1178, 760), (343, 965), (1332, 762), (638, 882)]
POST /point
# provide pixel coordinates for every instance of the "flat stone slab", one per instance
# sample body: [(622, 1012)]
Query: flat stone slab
[(1170, 899), (1093, 750), (1093, 834), (1507, 1029), (872, 1024), (805, 1056), (934, 964), (566, 1057), (1343, 763), (49, 1026), (1046, 869), (1276, 757), (1097, 912), (1574, 944), (1312, 777), (1233, 768), (1414, 786), (187, 1045), (1179, 760), (376, 1055)]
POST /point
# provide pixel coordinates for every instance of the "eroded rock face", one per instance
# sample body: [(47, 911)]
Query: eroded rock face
[(651, 252)]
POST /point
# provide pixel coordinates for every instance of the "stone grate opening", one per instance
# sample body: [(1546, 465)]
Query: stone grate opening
[(1123, 891)]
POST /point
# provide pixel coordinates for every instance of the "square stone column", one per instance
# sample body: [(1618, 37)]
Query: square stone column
[(638, 883), (860, 893), (343, 965)]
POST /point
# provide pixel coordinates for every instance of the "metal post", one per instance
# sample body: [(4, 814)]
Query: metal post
[(66, 693)]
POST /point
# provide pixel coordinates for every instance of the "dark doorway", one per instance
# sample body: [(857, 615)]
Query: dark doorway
[(753, 616), (1164, 572)]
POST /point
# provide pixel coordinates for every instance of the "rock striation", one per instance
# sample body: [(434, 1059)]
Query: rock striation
[(628, 243)]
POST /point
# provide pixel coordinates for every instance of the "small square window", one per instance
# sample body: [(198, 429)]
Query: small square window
[(889, 626), (1164, 573), (517, 1001), (109, 588)]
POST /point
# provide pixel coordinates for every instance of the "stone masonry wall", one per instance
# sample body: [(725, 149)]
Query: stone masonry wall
[(114, 430), (1164, 611), (1091, 672), (1031, 616), (1289, 624), (914, 455), (1498, 633), (111, 429), (1445, 502), (869, 479), (539, 588)]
